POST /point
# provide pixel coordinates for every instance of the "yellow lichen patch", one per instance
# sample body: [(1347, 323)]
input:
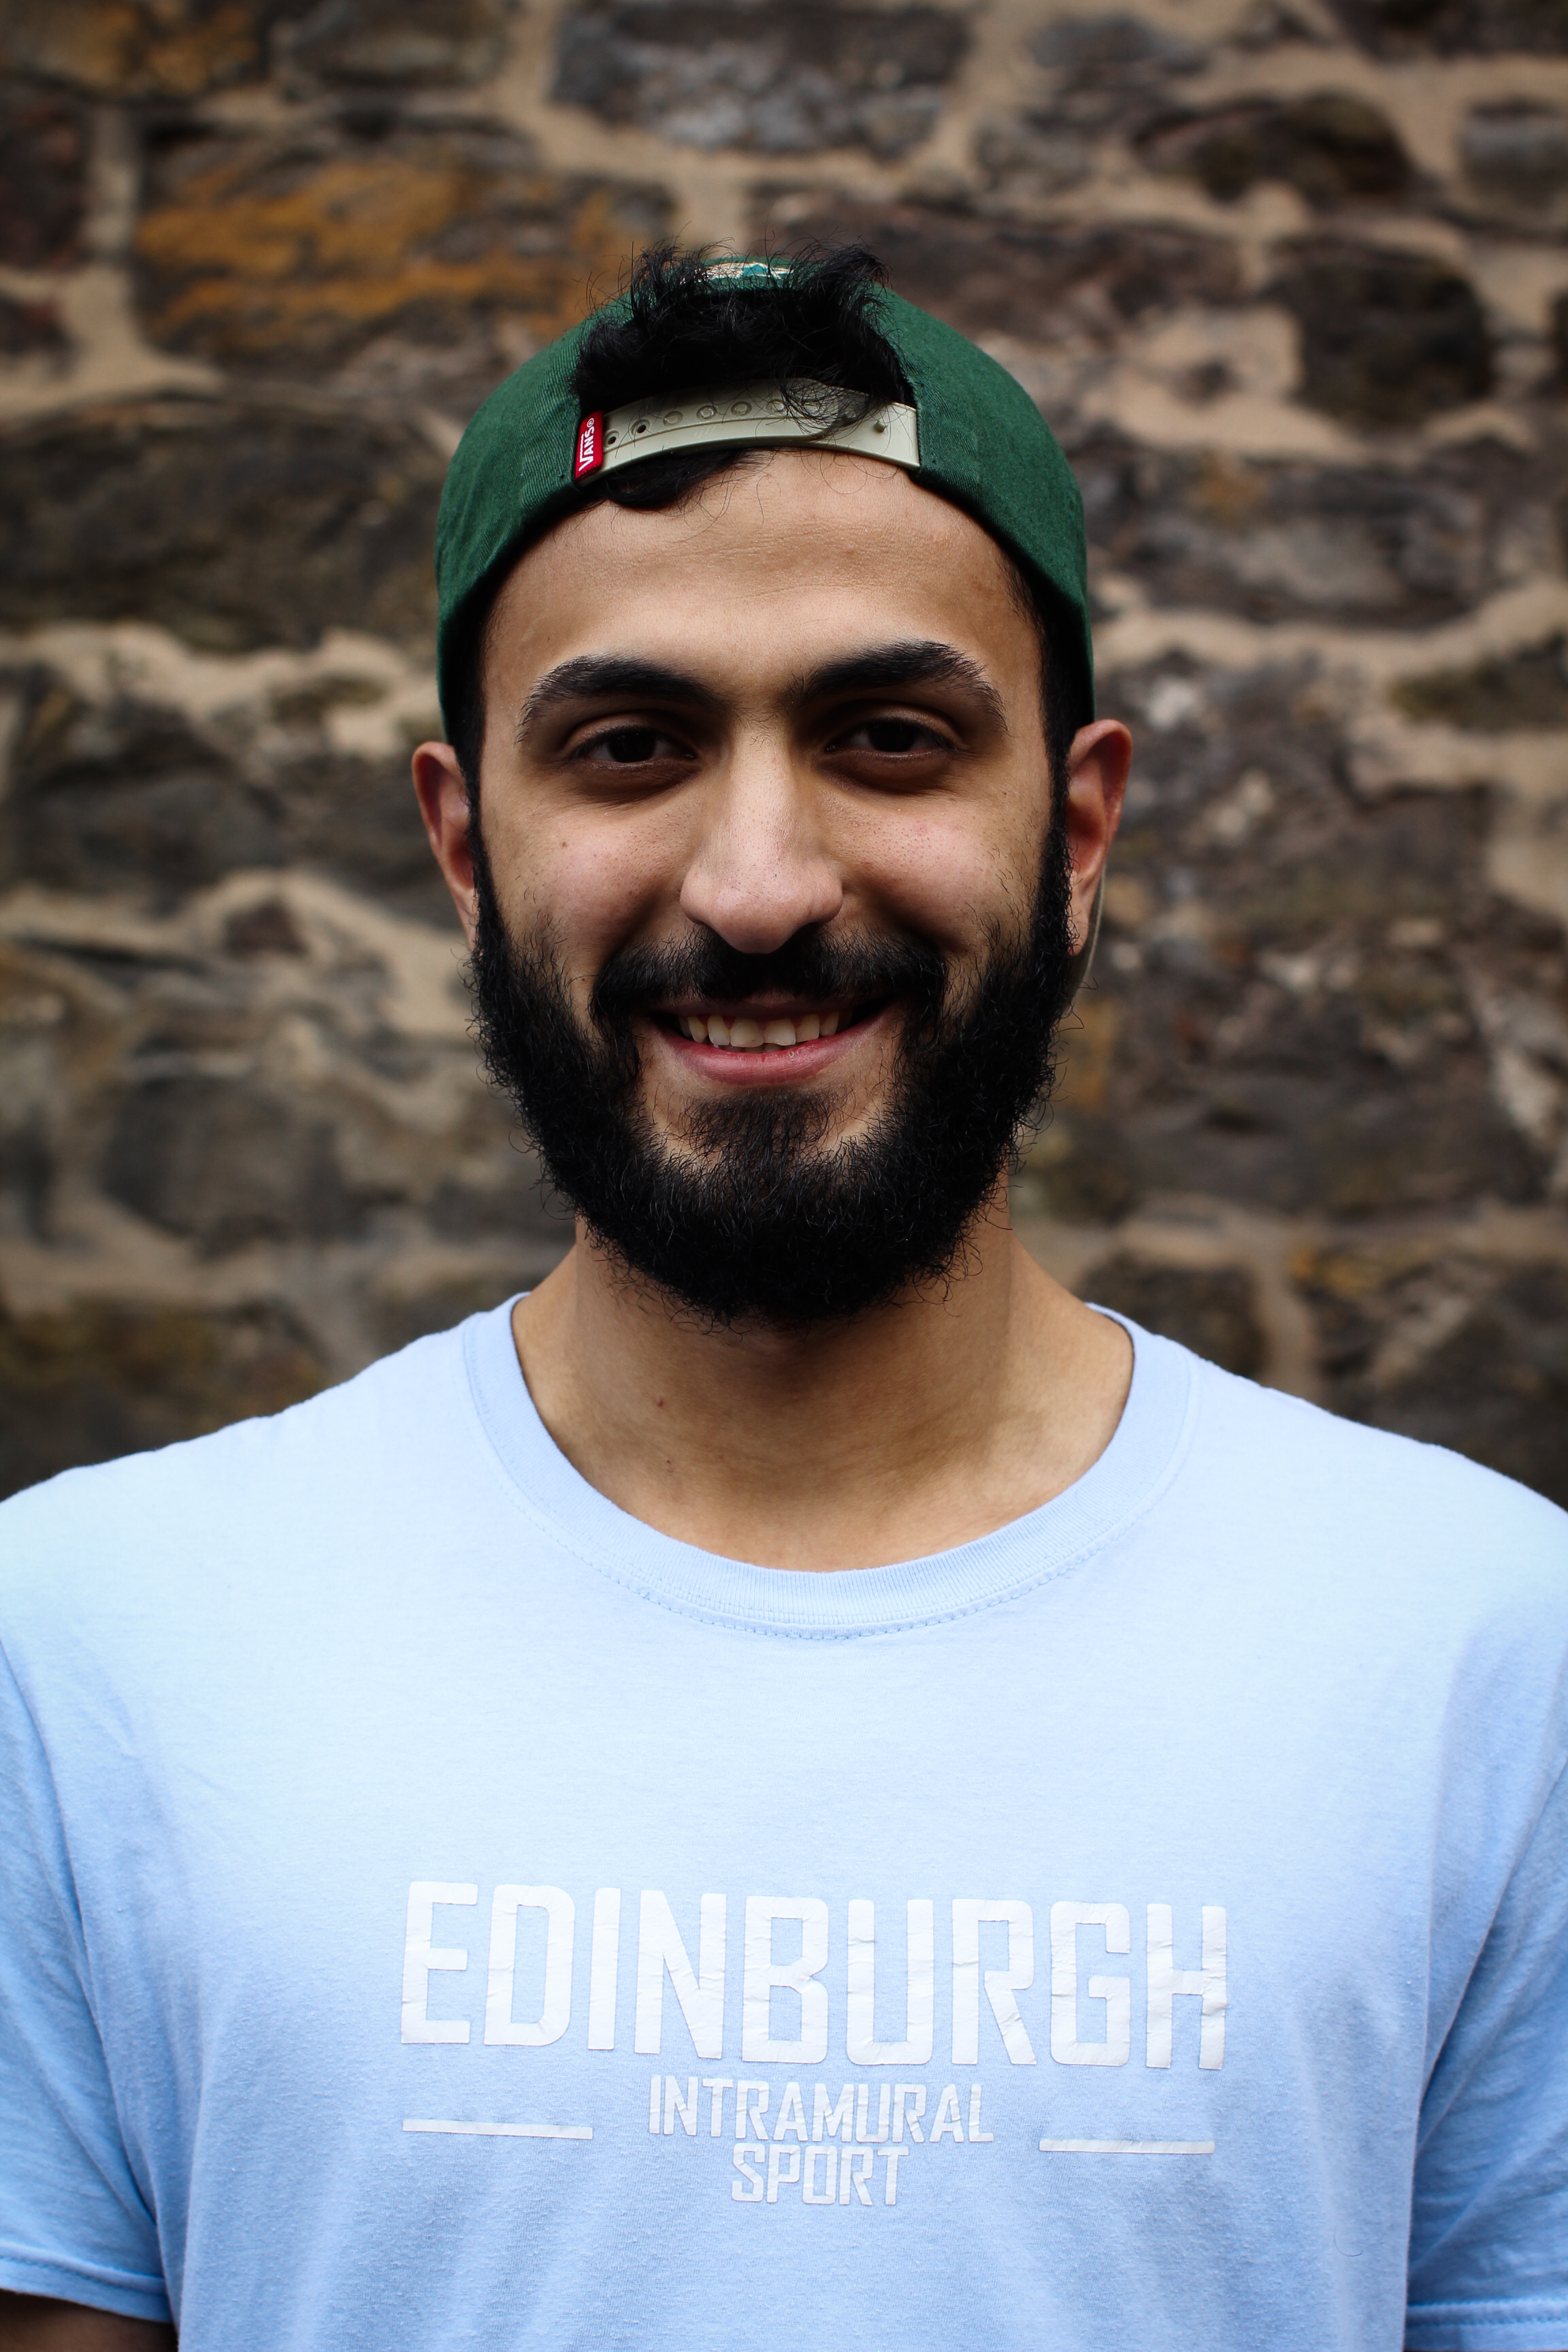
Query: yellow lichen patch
[(1226, 489), (1349, 1275), (316, 255), (160, 48)]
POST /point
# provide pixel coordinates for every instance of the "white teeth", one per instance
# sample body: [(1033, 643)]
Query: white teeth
[(748, 1036)]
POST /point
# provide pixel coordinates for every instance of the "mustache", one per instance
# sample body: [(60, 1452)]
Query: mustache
[(811, 963)]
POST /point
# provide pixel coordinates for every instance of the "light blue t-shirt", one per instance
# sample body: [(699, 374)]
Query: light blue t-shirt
[(440, 1912)]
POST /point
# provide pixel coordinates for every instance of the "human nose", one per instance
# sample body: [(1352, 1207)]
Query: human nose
[(759, 873)]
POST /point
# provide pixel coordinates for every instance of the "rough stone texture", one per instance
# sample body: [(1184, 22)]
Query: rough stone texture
[(1333, 149), (136, 49), (42, 191), (173, 50), (231, 524), (1527, 688), (1387, 338), (30, 329), (1015, 278), (1275, 542), (778, 81), (1284, 979), (1403, 28), (1517, 156), (423, 259), (393, 44), (101, 1378), (1459, 1353), (1290, 278), (1212, 1310)]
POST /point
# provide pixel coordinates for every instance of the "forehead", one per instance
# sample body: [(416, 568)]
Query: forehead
[(774, 564)]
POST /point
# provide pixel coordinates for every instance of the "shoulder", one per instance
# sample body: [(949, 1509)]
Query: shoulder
[(1365, 1502), (127, 1523)]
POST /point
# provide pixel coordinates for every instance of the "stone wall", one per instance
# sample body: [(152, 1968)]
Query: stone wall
[(1288, 276)]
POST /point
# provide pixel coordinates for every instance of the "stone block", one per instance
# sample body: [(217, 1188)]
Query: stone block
[(125, 796), (43, 160), (1396, 28), (273, 1063), (1081, 1168), (31, 331), (163, 49), (1449, 1349), (413, 258), (1211, 1309), (235, 523), (1387, 338), (1109, 74), (137, 48), (43, 1039), (224, 1162), (1333, 147), (1291, 979), (1523, 689), (1114, 48), (1032, 156), (1290, 540), (86, 1382), (394, 43), (357, 821), (1517, 156), (778, 81), (1033, 281)]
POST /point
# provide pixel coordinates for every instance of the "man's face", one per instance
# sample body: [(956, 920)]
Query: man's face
[(771, 920)]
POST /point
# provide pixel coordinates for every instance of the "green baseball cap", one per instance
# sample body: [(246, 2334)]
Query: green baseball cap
[(974, 436)]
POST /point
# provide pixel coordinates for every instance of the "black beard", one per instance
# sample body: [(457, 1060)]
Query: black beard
[(761, 1219)]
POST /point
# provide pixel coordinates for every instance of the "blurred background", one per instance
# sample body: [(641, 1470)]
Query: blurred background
[(1289, 279)]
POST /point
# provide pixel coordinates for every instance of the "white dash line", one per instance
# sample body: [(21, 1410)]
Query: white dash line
[(1127, 2147), (501, 2131)]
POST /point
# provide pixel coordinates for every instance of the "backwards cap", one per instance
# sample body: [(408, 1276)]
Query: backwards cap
[(974, 436)]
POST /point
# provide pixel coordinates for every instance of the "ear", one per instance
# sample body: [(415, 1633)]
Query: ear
[(1098, 768), (443, 799)]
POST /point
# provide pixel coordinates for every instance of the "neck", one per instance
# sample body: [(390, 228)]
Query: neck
[(919, 1425)]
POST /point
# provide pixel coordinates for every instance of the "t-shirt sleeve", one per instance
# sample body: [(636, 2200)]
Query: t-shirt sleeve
[(74, 2220), (1489, 2241)]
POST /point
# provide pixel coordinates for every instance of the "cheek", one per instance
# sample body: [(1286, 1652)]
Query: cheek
[(950, 871), (599, 877)]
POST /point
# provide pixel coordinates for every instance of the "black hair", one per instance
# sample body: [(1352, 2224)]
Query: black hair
[(690, 321)]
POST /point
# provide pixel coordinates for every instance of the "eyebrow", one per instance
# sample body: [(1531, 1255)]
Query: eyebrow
[(592, 675), (915, 661), (878, 669)]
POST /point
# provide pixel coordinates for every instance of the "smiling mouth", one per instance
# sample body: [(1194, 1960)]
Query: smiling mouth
[(764, 1031)]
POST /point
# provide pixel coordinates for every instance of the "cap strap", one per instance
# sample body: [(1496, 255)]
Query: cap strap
[(738, 413)]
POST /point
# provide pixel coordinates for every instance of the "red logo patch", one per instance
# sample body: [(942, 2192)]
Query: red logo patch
[(590, 447)]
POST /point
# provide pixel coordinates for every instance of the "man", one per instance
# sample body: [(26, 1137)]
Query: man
[(796, 1786)]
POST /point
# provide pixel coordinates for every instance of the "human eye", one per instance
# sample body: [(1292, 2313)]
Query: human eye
[(892, 737), (629, 745)]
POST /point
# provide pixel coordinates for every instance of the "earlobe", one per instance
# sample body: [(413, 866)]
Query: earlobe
[(442, 796)]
